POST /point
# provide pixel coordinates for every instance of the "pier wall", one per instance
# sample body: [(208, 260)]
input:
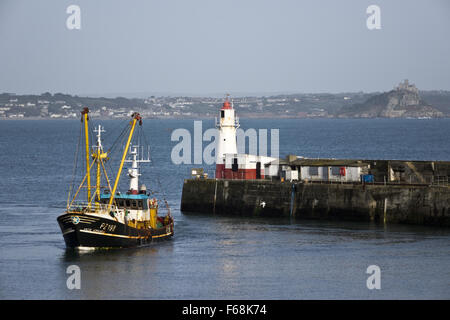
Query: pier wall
[(410, 204)]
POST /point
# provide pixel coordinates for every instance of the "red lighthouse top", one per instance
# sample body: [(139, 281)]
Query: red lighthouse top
[(226, 105)]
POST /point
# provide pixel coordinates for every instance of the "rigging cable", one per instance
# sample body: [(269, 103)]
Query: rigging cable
[(119, 141), (74, 166)]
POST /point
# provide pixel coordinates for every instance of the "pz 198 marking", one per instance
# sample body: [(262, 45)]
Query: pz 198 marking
[(107, 227)]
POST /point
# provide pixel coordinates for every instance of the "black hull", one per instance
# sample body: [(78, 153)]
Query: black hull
[(84, 230)]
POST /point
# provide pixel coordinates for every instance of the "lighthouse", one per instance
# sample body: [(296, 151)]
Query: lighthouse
[(227, 126)]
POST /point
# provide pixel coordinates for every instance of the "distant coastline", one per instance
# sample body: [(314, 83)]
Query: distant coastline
[(398, 103), (212, 118)]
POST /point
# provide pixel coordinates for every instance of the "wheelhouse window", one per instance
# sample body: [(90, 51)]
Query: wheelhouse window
[(136, 204)]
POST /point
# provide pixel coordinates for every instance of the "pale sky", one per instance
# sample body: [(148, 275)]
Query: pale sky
[(211, 46)]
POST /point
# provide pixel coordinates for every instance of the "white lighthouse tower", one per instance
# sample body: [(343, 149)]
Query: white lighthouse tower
[(227, 136)]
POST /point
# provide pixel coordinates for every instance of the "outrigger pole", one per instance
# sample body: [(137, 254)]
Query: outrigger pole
[(85, 117), (136, 116)]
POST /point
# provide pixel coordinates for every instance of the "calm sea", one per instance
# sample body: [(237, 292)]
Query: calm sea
[(214, 257)]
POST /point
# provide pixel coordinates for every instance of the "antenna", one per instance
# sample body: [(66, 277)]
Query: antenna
[(137, 152), (99, 136)]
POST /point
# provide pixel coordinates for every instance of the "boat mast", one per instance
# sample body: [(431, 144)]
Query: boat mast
[(133, 172), (136, 116), (85, 118), (98, 159)]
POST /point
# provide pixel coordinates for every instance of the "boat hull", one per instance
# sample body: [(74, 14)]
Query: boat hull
[(88, 231)]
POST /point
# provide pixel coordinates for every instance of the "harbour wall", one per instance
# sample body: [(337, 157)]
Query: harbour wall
[(409, 204)]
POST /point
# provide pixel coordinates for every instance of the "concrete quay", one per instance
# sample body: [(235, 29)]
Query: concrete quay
[(419, 204)]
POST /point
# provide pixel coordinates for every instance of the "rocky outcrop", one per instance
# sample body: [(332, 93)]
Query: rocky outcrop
[(402, 102)]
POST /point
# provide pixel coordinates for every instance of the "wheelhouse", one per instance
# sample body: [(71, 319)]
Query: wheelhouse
[(127, 201)]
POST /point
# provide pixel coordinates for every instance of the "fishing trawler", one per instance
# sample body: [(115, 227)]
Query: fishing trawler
[(108, 218)]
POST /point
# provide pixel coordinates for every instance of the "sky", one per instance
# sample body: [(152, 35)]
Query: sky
[(209, 47)]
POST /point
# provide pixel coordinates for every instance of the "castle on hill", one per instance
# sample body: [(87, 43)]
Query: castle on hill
[(406, 86)]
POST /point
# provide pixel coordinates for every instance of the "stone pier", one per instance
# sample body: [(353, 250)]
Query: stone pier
[(392, 203)]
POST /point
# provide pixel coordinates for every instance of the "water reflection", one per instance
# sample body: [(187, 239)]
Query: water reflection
[(107, 273)]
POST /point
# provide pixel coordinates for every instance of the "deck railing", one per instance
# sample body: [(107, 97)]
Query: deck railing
[(83, 207)]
